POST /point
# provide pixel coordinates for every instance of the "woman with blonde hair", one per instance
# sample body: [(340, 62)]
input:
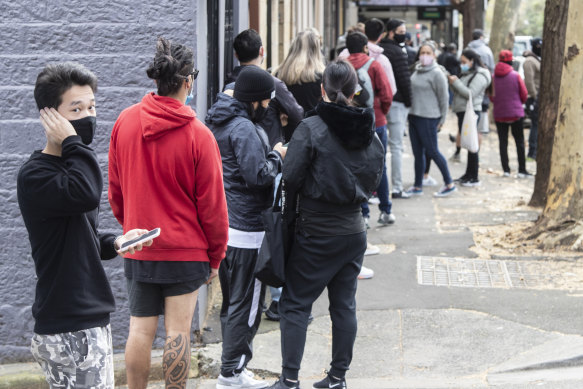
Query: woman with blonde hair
[(302, 69)]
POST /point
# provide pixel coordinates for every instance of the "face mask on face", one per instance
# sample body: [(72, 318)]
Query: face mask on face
[(537, 50), (399, 38), (190, 96), (85, 128), (425, 59), (259, 114), (465, 67)]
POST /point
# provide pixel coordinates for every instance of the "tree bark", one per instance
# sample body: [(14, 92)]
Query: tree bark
[(503, 25), (473, 16), (555, 27), (565, 190)]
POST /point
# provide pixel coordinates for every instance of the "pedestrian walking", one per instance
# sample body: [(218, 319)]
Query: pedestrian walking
[(59, 190), (334, 162), (509, 95), (474, 80), (165, 171), (397, 117), (532, 80), (428, 111), (283, 110), (249, 169)]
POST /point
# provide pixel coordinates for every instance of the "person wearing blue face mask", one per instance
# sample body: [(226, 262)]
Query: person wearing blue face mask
[(59, 190), (165, 171), (474, 80)]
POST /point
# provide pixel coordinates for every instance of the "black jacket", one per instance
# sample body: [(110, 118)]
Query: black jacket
[(450, 62), (399, 61), (249, 165), (59, 199), (284, 102), (334, 156)]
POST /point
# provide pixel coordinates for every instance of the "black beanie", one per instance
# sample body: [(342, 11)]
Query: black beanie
[(254, 84)]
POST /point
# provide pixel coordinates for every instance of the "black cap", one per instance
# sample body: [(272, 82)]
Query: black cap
[(254, 84), (536, 42)]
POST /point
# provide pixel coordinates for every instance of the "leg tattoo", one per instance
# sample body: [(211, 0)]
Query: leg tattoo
[(176, 361)]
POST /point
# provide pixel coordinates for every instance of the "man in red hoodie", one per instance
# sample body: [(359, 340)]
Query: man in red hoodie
[(357, 45), (165, 171)]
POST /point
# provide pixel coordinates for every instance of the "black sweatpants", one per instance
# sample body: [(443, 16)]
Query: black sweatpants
[(518, 134), (473, 165), (315, 263), (241, 312)]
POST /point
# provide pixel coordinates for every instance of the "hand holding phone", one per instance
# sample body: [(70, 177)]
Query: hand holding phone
[(133, 240)]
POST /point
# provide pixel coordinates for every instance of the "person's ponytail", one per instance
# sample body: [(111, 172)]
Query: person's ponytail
[(339, 81)]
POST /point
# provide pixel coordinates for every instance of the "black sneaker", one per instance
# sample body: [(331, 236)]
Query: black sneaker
[(283, 384), (462, 179), (471, 182), (272, 313), (330, 382), (400, 195)]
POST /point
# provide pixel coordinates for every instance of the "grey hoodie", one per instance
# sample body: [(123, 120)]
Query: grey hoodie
[(429, 98), (477, 86), (480, 47)]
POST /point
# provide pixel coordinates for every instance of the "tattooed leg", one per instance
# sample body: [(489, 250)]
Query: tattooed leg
[(176, 361)]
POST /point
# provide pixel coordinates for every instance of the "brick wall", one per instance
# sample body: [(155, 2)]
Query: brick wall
[(116, 40)]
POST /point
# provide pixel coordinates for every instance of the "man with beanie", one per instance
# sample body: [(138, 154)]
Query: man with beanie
[(249, 170), (249, 50), (397, 118), (532, 80)]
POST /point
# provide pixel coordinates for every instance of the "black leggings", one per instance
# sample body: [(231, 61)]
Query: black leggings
[(517, 128), (473, 160), (316, 263)]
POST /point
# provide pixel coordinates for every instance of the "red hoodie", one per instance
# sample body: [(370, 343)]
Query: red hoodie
[(383, 95), (165, 171), (509, 94)]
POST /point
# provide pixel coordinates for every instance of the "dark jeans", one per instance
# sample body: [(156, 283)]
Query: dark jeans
[(423, 134), (317, 263), (383, 188), (532, 137), (473, 160), (518, 134)]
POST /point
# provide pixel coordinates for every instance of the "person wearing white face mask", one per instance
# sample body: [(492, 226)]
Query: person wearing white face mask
[(429, 105)]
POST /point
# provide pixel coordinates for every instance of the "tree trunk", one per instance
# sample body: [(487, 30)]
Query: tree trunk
[(555, 27), (473, 16), (563, 211), (503, 25)]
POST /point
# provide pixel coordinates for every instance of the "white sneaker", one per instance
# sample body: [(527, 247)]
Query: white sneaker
[(429, 181), (374, 200), (365, 274), (371, 249), (242, 380)]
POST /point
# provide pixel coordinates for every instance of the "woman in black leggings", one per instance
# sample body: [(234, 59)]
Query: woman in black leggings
[(334, 162)]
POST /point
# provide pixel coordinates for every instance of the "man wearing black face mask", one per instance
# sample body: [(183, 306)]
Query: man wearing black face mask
[(532, 80), (249, 170), (397, 117), (59, 189)]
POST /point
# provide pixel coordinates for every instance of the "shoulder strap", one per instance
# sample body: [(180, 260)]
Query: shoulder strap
[(367, 64)]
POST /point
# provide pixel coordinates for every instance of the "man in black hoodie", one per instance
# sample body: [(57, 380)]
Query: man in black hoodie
[(249, 51), (59, 189), (397, 117)]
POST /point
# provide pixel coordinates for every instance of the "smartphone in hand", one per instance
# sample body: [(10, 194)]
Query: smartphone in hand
[(125, 246)]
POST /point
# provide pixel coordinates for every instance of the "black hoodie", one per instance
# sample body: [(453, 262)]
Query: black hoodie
[(334, 158)]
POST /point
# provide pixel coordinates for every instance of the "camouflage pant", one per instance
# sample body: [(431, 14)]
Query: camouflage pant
[(82, 359)]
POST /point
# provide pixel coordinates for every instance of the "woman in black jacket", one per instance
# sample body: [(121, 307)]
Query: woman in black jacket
[(334, 162)]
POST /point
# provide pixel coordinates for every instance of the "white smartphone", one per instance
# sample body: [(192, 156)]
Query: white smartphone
[(125, 246)]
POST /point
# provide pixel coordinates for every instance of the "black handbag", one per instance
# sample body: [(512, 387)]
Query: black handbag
[(270, 267)]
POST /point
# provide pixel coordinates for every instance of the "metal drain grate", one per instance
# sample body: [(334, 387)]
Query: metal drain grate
[(479, 273)]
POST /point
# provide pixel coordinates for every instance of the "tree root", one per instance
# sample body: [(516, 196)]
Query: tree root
[(568, 235)]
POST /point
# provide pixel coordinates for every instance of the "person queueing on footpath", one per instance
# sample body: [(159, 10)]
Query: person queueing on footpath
[(301, 71), (284, 113), (429, 105), (531, 67), (381, 99), (59, 190), (397, 117), (334, 162), (165, 171), (249, 170), (474, 80), (509, 95)]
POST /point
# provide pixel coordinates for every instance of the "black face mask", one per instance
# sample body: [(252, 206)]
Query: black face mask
[(85, 128), (399, 38), (259, 114), (537, 50)]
